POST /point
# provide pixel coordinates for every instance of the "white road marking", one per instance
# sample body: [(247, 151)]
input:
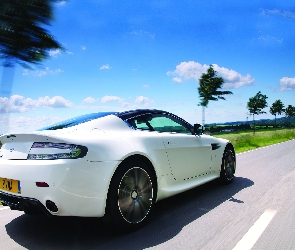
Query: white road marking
[(3, 208), (250, 238)]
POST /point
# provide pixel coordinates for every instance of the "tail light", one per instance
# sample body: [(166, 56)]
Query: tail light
[(54, 151)]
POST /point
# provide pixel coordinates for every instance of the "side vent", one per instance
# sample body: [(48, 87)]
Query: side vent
[(9, 136), (215, 146)]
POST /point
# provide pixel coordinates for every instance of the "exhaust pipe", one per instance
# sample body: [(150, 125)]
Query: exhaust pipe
[(50, 205)]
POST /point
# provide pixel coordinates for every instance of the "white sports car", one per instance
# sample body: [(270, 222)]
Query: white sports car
[(111, 164)]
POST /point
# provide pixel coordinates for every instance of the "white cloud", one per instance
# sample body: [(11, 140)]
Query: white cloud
[(83, 47), (17, 103), (287, 83), (178, 103), (177, 79), (269, 39), (43, 72), (25, 124), (142, 33), (119, 103), (89, 100), (61, 3), (54, 53), (108, 98), (233, 79), (145, 86), (188, 70), (193, 71), (288, 14), (54, 102), (106, 66), (143, 101)]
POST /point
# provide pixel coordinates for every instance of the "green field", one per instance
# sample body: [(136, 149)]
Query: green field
[(244, 141)]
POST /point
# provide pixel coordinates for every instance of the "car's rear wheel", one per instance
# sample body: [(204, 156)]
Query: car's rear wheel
[(131, 195), (228, 165)]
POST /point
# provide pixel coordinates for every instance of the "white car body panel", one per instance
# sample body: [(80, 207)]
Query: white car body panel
[(182, 146), (79, 187)]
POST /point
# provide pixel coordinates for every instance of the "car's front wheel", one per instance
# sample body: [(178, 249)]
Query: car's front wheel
[(131, 195), (228, 165)]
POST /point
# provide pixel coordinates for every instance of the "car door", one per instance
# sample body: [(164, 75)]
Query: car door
[(189, 155)]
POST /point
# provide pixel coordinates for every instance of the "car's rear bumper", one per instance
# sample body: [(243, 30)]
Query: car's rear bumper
[(75, 187), (28, 205)]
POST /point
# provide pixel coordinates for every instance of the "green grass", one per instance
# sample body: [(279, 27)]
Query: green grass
[(244, 141)]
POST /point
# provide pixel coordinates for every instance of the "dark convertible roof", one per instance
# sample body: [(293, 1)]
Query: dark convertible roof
[(125, 115)]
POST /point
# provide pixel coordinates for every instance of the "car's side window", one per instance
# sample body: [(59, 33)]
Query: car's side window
[(165, 123), (160, 123), (140, 123)]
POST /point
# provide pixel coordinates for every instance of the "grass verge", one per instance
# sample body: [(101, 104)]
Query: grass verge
[(244, 141)]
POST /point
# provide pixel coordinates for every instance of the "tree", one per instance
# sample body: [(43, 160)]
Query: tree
[(23, 39), (276, 108), (209, 89), (256, 105), (290, 112)]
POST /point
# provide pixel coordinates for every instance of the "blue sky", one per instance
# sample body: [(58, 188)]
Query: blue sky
[(122, 55)]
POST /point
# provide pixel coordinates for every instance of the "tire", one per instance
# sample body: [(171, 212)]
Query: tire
[(131, 196), (228, 165)]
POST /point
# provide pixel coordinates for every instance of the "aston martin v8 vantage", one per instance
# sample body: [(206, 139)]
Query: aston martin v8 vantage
[(110, 164)]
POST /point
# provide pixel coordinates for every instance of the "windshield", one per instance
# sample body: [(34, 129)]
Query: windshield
[(77, 120)]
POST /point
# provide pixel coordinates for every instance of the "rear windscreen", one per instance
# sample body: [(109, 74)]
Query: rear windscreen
[(77, 120)]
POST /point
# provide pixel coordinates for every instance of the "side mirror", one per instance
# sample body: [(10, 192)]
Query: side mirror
[(198, 129)]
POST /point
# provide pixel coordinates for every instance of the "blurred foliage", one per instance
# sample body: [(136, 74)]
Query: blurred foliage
[(210, 89), (23, 39), (290, 113)]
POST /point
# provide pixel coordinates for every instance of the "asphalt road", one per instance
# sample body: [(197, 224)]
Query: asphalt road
[(256, 211)]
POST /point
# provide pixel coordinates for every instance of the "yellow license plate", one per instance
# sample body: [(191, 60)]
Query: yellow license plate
[(12, 186)]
